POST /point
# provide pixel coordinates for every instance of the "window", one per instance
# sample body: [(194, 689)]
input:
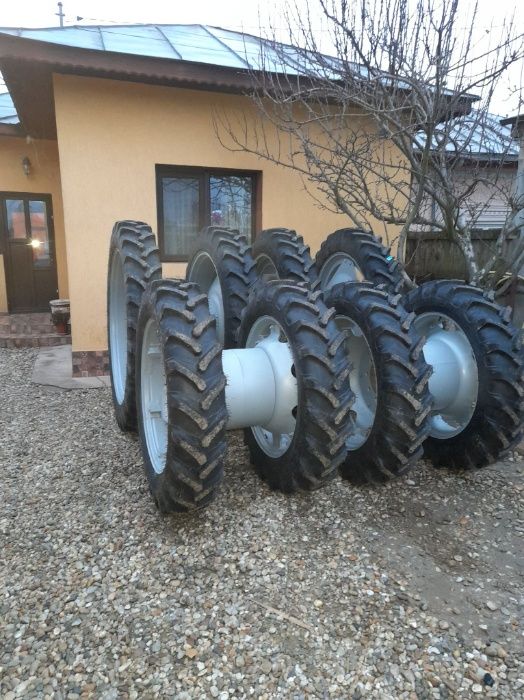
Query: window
[(190, 198)]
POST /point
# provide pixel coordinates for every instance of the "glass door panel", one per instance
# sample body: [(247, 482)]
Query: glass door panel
[(39, 233), (15, 214)]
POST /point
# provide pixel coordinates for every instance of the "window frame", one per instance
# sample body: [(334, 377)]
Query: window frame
[(204, 174)]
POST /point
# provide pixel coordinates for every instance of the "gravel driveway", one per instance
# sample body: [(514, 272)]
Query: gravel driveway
[(414, 590)]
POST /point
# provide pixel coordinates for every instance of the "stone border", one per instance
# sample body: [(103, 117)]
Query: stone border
[(90, 363)]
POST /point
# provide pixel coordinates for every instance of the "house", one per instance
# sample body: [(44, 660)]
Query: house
[(487, 153), (483, 158), (116, 122)]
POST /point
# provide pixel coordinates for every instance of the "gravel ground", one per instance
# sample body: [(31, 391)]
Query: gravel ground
[(413, 590)]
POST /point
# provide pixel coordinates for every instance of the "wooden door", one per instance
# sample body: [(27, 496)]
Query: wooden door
[(27, 242)]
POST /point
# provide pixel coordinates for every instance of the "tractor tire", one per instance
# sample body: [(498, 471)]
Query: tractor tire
[(390, 380), (184, 466), (317, 445), (495, 425), (368, 261), (134, 262), (280, 253), (222, 266)]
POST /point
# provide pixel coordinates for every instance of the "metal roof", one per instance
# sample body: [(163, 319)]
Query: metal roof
[(476, 137), (197, 43), (8, 113)]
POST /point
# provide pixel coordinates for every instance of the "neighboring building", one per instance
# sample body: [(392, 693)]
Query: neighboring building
[(488, 156), (117, 123), (487, 152)]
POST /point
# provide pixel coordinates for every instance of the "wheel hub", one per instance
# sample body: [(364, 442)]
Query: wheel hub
[(266, 268), (275, 435), (454, 383), (118, 327), (362, 380), (337, 269), (154, 397)]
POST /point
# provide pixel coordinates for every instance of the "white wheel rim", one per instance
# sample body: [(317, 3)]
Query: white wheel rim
[(362, 380), (337, 269), (454, 383), (266, 268), (118, 327), (275, 442), (204, 273), (153, 391)]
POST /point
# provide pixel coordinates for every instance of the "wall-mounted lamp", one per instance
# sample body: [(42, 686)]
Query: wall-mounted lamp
[(26, 165)]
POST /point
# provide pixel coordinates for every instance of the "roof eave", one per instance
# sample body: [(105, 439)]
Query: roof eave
[(11, 130), (22, 60)]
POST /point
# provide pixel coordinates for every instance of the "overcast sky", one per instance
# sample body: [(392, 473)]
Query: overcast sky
[(250, 16)]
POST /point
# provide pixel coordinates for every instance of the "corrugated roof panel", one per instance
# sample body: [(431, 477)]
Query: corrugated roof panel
[(483, 139), (264, 54), (8, 113), (248, 48), (81, 37), (194, 43), (140, 41)]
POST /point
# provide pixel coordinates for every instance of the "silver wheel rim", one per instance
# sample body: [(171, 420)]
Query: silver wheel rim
[(362, 380), (454, 383), (267, 330), (339, 268), (118, 327), (266, 268), (153, 395), (204, 273)]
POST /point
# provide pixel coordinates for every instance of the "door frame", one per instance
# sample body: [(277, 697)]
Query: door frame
[(4, 241)]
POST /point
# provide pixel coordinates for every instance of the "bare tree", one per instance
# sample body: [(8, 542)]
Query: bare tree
[(373, 130)]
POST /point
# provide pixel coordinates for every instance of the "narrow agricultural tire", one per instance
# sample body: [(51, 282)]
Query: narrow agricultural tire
[(281, 253), (195, 396), (496, 423), (374, 261), (399, 427), (134, 261), (318, 445), (224, 254)]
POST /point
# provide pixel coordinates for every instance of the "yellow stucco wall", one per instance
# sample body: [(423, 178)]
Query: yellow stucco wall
[(43, 179), (110, 136)]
